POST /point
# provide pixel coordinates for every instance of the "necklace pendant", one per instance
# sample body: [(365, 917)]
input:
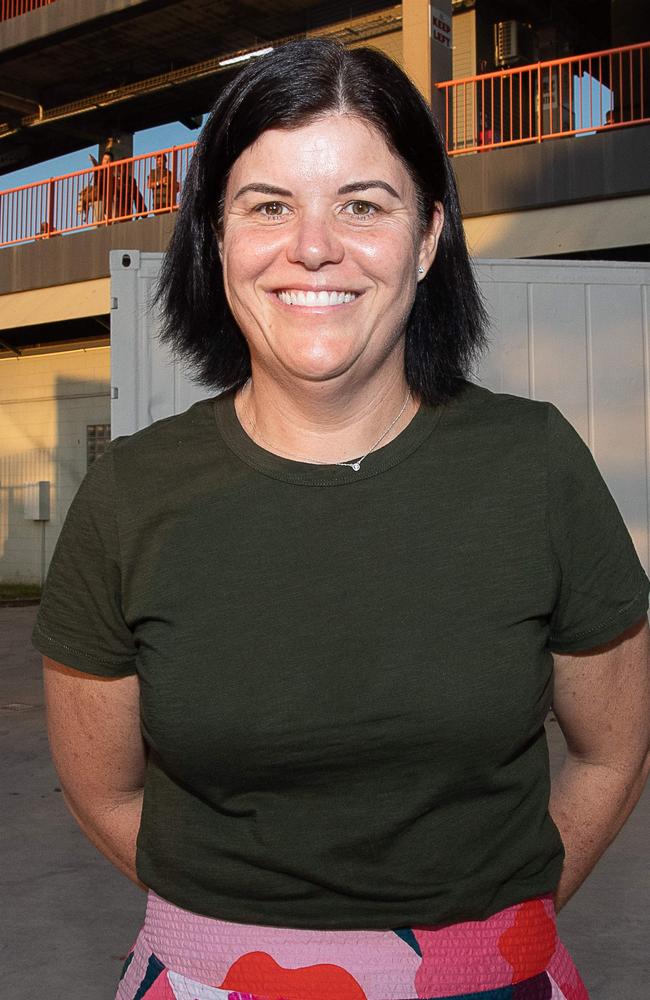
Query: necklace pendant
[(355, 465)]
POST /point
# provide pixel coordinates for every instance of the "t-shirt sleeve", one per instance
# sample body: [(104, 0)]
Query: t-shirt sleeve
[(603, 588), (80, 621)]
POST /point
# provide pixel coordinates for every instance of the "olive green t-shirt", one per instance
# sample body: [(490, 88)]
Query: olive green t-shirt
[(345, 675)]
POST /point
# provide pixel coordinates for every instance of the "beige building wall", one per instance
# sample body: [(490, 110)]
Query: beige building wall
[(54, 303), (46, 403), (390, 44)]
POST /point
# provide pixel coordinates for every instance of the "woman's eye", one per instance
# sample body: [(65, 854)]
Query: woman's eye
[(361, 209), (272, 209)]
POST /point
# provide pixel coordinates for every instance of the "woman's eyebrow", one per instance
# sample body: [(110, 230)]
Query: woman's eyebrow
[(353, 188), (263, 189), (365, 185)]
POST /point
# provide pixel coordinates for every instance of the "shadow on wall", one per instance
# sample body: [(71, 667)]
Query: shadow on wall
[(45, 437), (22, 541)]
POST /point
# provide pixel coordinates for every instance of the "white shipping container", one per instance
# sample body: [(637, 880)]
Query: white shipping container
[(572, 332)]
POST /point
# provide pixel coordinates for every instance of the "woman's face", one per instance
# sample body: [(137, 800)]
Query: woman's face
[(320, 247)]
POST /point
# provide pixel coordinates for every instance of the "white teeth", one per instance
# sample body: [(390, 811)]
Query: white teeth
[(323, 298)]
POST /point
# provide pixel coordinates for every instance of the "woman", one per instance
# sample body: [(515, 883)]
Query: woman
[(115, 190), (301, 640), (163, 184), (101, 192)]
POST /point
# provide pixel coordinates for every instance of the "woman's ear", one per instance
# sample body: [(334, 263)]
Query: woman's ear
[(430, 240), (218, 235)]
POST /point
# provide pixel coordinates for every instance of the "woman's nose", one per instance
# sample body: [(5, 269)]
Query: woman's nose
[(314, 243)]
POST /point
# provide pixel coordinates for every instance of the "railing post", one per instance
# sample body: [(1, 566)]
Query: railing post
[(540, 104), (173, 188), (51, 195)]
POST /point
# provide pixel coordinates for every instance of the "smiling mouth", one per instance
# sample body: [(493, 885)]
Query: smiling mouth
[(322, 298)]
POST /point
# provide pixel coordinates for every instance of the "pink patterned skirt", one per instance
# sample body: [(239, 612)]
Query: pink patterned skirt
[(514, 955)]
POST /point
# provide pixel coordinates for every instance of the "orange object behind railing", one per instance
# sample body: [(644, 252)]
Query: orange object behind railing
[(126, 189), (12, 8), (571, 96)]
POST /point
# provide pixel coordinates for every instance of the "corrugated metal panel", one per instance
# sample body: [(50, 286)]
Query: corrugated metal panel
[(390, 44), (463, 65), (47, 402), (464, 50), (571, 332), (148, 385), (576, 333)]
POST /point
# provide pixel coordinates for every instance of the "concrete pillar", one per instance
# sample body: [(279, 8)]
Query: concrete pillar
[(426, 41)]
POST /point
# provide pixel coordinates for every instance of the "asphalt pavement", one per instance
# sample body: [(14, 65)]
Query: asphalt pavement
[(67, 918)]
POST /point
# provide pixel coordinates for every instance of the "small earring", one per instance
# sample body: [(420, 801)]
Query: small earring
[(420, 269)]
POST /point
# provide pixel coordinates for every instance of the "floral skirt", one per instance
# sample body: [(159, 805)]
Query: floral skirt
[(514, 955)]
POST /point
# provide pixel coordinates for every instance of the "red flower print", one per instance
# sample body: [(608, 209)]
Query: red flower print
[(530, 943), (261, 975)]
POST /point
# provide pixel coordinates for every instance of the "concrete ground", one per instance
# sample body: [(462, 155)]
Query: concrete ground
[(67, 918)]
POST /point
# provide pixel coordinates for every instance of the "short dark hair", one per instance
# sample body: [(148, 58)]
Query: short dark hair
[(289, 88)]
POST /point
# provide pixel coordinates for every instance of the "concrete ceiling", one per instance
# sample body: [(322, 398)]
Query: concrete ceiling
[(134, 44)]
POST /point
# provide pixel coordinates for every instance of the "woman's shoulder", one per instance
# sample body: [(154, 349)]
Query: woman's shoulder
[(499, 407), (180, 435)]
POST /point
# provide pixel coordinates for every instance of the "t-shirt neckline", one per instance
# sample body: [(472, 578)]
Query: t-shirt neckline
[(307, 474)]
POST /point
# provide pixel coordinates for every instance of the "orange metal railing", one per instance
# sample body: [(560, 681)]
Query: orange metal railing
[(12, 8), (563, 97), (594, 92), (115, 192)]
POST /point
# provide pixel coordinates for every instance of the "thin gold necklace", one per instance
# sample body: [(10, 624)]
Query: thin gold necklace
[(356, 464)]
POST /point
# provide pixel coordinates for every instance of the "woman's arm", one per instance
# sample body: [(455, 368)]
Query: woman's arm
[(99, 755), (602, 703)]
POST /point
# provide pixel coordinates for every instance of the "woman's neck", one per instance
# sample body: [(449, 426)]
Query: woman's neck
[(323, 422)]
